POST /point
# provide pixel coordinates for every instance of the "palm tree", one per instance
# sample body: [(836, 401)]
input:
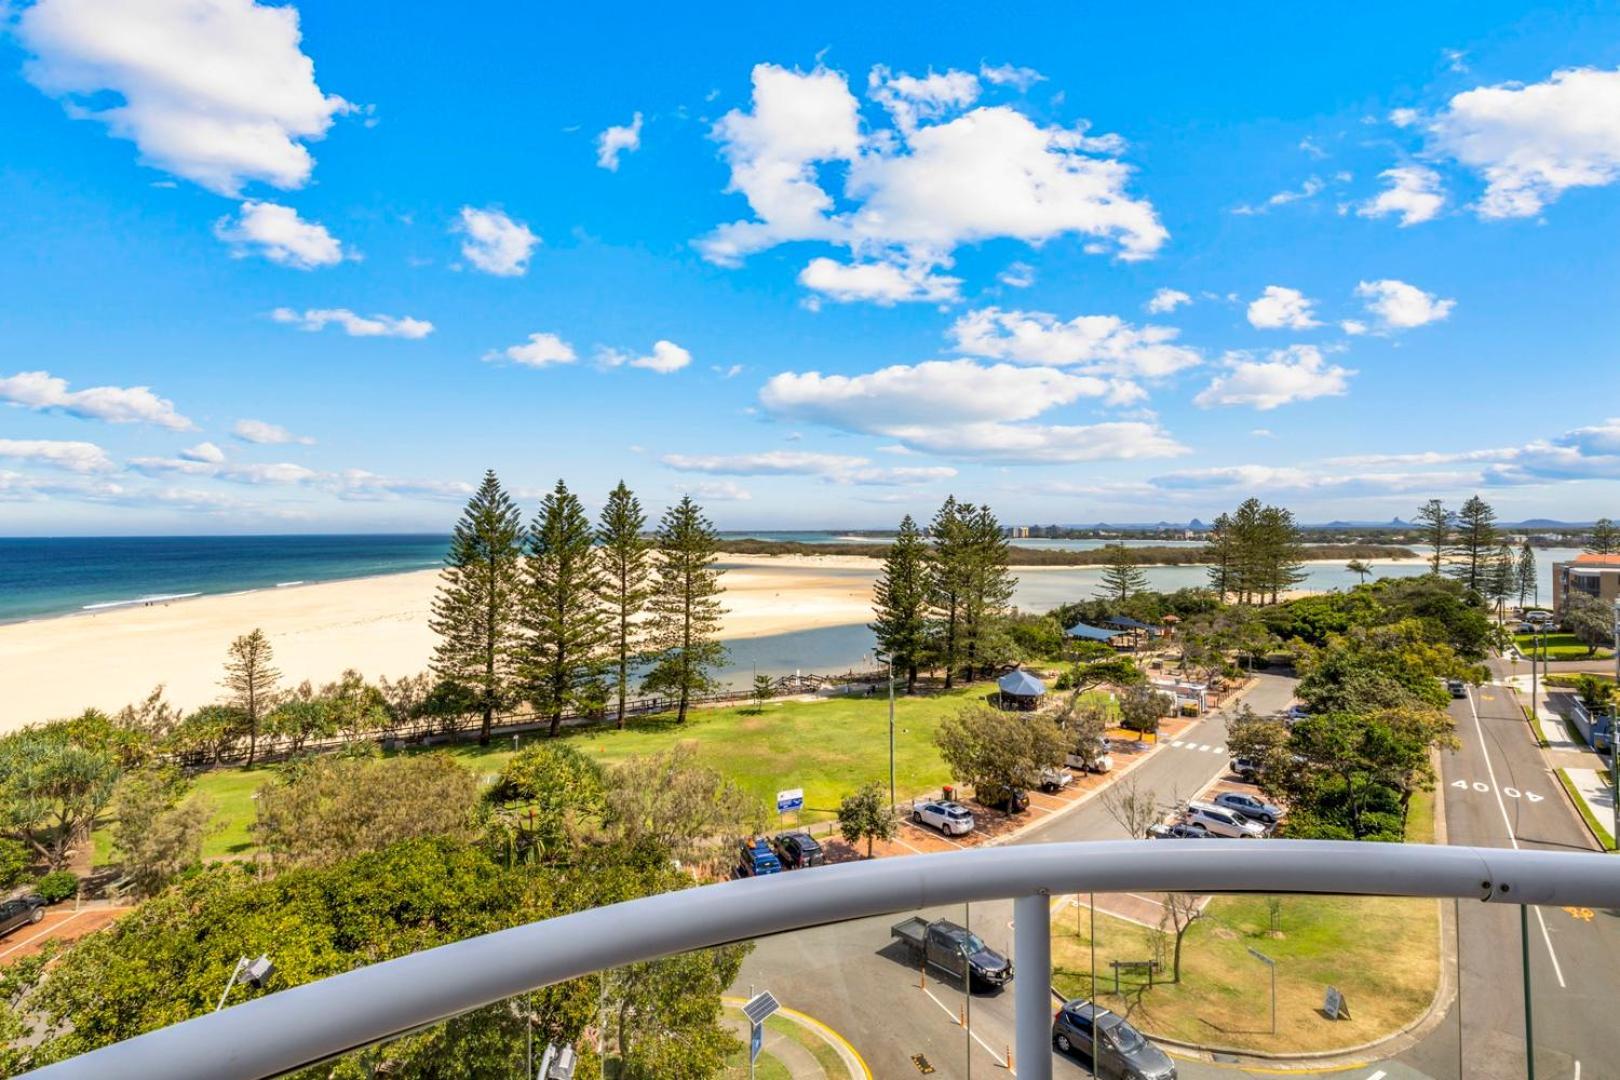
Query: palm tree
[(1359, 568)]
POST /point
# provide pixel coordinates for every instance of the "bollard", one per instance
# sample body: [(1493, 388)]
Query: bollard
[(1009, 1058), (961, 1015)]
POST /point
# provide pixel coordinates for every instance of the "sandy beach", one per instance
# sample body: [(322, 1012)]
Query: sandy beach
[(378, 625)]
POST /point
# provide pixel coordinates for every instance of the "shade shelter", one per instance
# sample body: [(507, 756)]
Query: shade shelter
[(1125, 622), (1093, 633), (1019, 689)]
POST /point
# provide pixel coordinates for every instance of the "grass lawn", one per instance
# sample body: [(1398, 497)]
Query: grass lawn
[(1558, 647), (1381, 952), (828, 747)]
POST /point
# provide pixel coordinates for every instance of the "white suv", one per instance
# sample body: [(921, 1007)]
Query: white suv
[(952, 819), (1213, 819)]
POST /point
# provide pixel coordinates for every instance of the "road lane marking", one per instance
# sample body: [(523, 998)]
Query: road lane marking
[(956, 1018), (1490, 770), (1379, 1075)]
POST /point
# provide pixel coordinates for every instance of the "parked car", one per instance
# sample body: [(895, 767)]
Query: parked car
[(755, 858), (1007, 800), (1295, 714), (1179, 831), (1246, 768), (1222, 822), (1099, 759), (947, 946), (1105, 1039), (1458, 688), (952, 819), (20, 912), (1250, 807), (1055, 780), (797, 850)]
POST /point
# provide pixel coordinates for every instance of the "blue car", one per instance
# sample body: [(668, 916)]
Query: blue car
[(756, 858)]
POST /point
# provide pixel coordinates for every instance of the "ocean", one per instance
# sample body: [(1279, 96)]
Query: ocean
[(61, 576), (41, 577)]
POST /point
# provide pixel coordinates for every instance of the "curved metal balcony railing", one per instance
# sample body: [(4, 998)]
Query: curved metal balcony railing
[(307, 1024)]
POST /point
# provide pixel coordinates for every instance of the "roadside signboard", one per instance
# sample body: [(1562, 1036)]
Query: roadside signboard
[(791, 799), (756, 1040), (1334, 1005), (757, 1008)]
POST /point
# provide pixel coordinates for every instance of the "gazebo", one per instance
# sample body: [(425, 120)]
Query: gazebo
[(1021, 689), (1125, 622)]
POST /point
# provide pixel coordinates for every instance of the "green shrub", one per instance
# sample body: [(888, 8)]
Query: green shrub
[(14, 860), (57, 885)]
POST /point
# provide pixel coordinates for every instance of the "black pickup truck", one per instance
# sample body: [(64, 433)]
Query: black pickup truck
[(946, 946)]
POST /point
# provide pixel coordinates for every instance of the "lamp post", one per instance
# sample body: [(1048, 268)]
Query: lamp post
[(888, 660), (253, 972)]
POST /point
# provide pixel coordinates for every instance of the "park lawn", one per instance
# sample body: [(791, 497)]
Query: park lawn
[(1558, 647), (828, 747), (1381, 952)]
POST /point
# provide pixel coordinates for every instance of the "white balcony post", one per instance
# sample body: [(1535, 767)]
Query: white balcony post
[(1032, 986)]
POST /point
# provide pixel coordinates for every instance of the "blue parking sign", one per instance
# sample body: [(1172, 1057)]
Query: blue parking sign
[(756, 1039)]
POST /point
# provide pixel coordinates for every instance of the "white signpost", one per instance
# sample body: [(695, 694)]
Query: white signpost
[(790, 800)]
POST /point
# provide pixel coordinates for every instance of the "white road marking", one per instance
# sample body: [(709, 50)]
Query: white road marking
[(1379, 1075), (1490, 771), (1178, 744), (1206, 746), (956, 1018)]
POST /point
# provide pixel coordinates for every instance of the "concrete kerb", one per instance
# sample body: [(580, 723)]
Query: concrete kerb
[(846, 1051)]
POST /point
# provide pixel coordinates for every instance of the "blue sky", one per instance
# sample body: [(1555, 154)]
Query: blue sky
[(299, 268)]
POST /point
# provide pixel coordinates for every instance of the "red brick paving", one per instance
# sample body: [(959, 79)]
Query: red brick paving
[(59, 924)]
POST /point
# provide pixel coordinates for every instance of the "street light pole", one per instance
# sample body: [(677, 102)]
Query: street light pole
[(891, 719)]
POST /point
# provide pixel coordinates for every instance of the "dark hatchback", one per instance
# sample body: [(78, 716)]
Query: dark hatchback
[(798, 850), (1123, 1053)]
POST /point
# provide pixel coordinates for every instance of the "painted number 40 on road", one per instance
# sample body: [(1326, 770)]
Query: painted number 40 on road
[(1484, 788)]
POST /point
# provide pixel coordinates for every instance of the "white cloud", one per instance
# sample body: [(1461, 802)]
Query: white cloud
[(1020, 78), (1414, 192), (835, 468), (718, 491), (964, 409), (910, 98), (204, 452), (315, 319), (1353, 327), (666, 357), (1094, 344), (1280, 308), (280, 235), (494, 243), (729, 372), (1017, 275), (1166, 300), (216, 91), (359, 485), (1308, 190), (1400, 306), (541, 350), (1286, 480), (616, 140), (1297, 373), (937, 179), (883, 283), (41, 391), (263, 433), (80, 457), (1533, 142)]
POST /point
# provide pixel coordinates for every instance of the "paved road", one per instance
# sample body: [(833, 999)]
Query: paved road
[(1498, 793)]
